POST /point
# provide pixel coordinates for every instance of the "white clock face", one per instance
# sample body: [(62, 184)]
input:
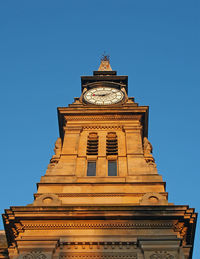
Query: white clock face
[(103, 96)]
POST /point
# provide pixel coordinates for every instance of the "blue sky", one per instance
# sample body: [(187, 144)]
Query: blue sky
[(45, 46)]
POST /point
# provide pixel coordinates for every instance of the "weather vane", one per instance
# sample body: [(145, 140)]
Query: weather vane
[(105, 57)]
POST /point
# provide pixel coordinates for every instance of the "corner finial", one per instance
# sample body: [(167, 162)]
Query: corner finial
[(105, 63)]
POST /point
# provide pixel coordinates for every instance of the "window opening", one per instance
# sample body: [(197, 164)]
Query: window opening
[(91, 168), (112, 168)]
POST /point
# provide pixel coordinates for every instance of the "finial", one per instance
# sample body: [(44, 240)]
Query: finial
[(105, 63), (105, 57)]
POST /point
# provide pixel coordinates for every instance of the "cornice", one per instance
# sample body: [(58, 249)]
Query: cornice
[(143, 212), (133, 114), (116, 226), (181, 219), (97, 194), (102, 127), (102, 110), (104, 117)]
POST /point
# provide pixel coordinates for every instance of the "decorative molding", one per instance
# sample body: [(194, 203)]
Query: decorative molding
[(103, 127), (19, 227), (35, 255), (99, 256), (99, 226), (105, 117), (99, 250), (92, 195), (161, 255), (77, 129), (96, 194), (98, 245)]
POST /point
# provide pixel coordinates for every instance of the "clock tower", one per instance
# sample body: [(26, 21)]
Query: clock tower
[(101, 196)]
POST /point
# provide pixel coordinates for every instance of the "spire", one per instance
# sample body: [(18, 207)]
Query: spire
[(105, 63)]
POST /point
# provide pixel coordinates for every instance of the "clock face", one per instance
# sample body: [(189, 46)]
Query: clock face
[(103, 96)]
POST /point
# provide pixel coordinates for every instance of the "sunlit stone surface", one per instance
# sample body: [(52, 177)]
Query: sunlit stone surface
[(80, 211)]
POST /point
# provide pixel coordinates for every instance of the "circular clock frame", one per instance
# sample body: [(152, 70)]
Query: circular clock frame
[(103, 96)]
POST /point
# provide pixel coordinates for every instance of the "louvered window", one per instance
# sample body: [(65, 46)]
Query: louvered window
[(111, 144), (92, 144)]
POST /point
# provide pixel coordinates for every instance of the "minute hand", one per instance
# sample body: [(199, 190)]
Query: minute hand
[(101, 94)]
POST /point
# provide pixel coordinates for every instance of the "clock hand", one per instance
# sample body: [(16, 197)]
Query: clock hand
[(100, 94)]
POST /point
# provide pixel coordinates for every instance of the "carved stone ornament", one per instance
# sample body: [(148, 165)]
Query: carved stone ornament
[(147, 146), (55, 158), (77, 100), (35, 255), (58, 146), (47, 199), (153, 198), (161, 255), (57, 150)]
